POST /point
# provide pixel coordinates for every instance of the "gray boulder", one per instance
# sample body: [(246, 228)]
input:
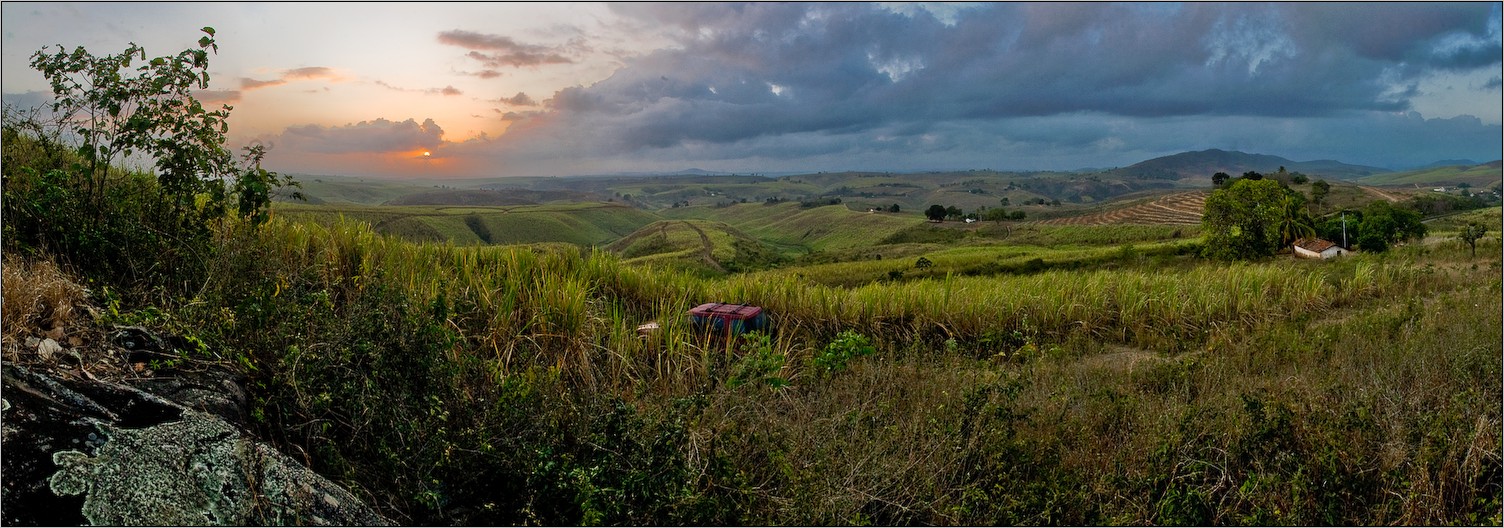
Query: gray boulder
[(88, 451)]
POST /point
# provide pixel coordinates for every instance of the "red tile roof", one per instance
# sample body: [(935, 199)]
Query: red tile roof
[(1314, 244)]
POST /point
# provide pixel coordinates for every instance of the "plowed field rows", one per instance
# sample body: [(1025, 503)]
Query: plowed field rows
[(1173, 209)]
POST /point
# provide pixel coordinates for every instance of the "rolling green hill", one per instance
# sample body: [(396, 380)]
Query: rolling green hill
[(831, 227), (1480, 176), (351, 190), (701, 246), (580, 224)]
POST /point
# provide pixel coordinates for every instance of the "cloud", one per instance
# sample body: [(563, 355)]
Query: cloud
[(311, 72), (446, 91), (24, 100), (521, 99), (484, 74), (742, 74), (217, 96), (498, 51), (295, 74), (247, 83), (376, 136)]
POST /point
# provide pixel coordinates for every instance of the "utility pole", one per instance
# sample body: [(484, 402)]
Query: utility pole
[(1344, 231)]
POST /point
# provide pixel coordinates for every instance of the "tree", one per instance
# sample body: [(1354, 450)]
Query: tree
[(1251, 175), (1220, 179), (1331, 227), (1295, 224), (936, 213), (1470, 235), (923, 263), (893, 208), (1299, 179), (1384, 224), (1245, 219), (1319, 190), (1004, 201), (954, 213), (996, 215), (129, 227)]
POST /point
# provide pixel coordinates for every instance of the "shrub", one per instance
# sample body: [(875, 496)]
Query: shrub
[(837, 354)]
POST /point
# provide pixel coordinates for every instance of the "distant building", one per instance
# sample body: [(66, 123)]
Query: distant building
[(1317, 248)]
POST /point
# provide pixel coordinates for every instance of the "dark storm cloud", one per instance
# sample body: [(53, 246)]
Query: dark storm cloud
[(375, 136), (497, 51), (846, 79)]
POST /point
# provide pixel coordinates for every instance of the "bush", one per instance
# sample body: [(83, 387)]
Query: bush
[(837, 354)]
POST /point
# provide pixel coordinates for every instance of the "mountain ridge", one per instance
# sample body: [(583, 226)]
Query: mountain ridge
[(1205, 163)]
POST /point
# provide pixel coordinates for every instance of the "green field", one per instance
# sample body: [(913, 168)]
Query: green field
[(583, 224), (1487, 175), (831, 227), (484, 365)]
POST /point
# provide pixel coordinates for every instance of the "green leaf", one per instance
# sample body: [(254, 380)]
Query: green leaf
[(208, 30), (203, 42)]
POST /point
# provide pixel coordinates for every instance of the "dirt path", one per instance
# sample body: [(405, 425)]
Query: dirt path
[(705, 246), (1380, 193)]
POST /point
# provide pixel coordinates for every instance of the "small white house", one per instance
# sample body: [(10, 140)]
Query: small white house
[(1317, 248)]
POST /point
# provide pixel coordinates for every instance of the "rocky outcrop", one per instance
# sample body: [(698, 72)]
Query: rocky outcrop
[(80, 450)]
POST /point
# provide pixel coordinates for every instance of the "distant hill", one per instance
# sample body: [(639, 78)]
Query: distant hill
[(1447, 163), (1481, 176), (1205, 163), (319, 189), (488, 197)]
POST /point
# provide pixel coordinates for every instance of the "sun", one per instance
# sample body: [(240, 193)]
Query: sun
[(427, 154)]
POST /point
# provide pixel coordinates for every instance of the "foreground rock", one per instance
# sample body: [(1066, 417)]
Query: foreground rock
[(87, 451)]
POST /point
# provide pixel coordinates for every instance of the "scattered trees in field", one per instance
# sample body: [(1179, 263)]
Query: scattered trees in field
[(936, 213), (1252, 218), (1470, 235), (954, 213), (1385, 224), (1220, 179), (1319, 190), (1000, 214)]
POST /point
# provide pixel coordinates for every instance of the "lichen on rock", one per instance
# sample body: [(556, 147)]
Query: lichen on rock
[(149, 461)]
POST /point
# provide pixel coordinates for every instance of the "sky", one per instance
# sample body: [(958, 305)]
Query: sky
[(552, 89)]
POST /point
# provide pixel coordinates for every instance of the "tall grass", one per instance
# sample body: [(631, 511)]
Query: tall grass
[(989, 400)]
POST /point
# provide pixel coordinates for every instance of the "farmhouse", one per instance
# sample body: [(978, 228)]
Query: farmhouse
[(1317, 248)]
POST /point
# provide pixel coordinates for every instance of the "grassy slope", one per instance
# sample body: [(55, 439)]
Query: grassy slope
[(581, 224), (700, 246), (1479, 176), (817, 228), (352, 190)]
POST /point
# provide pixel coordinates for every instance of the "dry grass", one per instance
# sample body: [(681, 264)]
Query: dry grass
[(39, 300)]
